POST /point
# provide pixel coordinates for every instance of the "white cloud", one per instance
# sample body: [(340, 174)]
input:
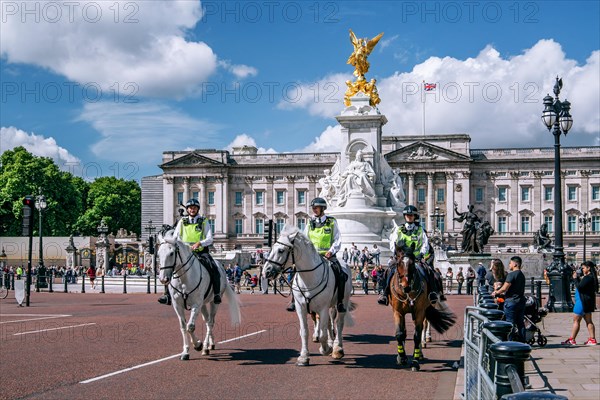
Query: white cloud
[(496, 100), (139, 132), (328, 140), (246, 140), (386, 42), (112, 43), (11, 137), (240, 71), (324, 98)]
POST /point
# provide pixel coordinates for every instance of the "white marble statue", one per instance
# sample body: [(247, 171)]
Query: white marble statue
[(359, 177), (327, 187), (396, 194)]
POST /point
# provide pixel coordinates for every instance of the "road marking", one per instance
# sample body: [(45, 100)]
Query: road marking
[(53, 329), (241, 337), (161, 360), (41, 316)]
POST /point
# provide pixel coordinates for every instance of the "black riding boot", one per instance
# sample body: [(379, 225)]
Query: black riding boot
[(292, 306), (383, 297), (341, 291), (215, 277), (165, 298)]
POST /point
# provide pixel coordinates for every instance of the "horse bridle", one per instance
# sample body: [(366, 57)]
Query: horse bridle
[(407, 293), (177, 255)]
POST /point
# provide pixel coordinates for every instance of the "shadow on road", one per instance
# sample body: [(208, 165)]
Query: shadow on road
[(258, 356), (369, 339)]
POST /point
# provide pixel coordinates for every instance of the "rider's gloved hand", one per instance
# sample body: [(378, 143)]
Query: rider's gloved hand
[(420, 257)]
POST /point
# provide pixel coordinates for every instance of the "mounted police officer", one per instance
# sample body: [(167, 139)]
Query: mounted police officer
[(407, 235), (195, 231), (323, 232)]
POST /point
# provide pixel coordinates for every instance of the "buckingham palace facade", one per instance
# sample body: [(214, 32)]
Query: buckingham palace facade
[(512, 188)]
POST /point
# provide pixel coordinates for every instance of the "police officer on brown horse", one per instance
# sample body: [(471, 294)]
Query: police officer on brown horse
[(322, 230), (195, 231)]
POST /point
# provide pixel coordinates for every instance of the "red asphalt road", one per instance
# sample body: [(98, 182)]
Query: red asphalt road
[(105, 333)]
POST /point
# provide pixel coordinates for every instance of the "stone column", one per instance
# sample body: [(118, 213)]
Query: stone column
[(312, 187), (513, 206), (450, 199), (291, 198), (224, 206), (202, 196), (102, 253), (168, 200), (430, 202), (537, 197), (269, 197), (186, 189), (584, 199), (489, 200), (248, 201), (411, 188)]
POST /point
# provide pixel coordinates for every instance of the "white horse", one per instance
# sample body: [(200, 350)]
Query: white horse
[(314, 291), (191, 289)]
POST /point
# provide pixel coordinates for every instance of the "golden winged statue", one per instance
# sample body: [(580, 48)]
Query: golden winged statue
[(358, 59), (362, 49)]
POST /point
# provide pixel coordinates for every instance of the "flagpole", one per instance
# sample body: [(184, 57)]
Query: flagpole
[(424, 99)]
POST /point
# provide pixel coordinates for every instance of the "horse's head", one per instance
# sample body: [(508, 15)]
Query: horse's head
[(167, 254), (280, 253), (406, 260)]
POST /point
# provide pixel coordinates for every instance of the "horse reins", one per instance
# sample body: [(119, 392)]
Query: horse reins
[(184, 295)]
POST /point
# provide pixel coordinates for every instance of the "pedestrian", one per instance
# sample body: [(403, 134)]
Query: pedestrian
[(253, 283), (19, 272), (585, 303), (345, 256), (481, 272), (376, 253), (470, 280), (498, 273), (91, 273), (513, 290), (449, 276), (365, 278), (237, 278), (460, 279)]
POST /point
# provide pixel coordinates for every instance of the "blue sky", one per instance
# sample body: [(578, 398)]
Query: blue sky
[(104, 87)]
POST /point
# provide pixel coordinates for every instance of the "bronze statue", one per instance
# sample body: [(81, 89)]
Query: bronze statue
[(541, 238), (475, 232)]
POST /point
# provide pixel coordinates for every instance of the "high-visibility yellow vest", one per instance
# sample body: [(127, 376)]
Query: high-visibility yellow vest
[(193, 233), (415, 237), (322, 236)]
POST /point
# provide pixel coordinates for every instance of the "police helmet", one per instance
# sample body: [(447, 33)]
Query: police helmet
[(410, 210), (192, 202), (319, 202)]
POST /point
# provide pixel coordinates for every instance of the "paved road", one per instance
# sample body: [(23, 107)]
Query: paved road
[(48, 349)]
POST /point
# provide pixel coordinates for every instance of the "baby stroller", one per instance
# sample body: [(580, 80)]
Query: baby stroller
[(534, 315)]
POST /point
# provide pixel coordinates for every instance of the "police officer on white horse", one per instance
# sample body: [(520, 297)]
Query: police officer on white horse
[(195, 231), (324, 233), (407, 235)]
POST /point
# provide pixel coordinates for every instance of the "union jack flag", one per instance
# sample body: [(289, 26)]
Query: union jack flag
[(429, 86)]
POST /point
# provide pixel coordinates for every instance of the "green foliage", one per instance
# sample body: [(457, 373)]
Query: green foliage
[(74, 205)]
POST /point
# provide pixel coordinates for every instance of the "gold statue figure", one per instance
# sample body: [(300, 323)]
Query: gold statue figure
[(358, 59)]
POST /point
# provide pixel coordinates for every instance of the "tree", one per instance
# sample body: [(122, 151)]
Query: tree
[(118, 201), (24, 174)]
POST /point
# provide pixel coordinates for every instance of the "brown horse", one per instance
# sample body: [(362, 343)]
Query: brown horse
[(413, 297)]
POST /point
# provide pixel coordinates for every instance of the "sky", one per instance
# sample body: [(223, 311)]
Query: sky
[(104, 87)]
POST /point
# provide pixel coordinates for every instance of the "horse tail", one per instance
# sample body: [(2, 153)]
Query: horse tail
[(234, 305), (440, 319), (348, 318), (352, 306)]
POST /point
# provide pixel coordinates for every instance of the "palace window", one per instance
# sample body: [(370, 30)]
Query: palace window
[(259, 226), (549, 221), (301, 197), (260, 198), (195, 195), (572, 193), (239, 226), (279, 225), (440, 195), (524, 193), (479, 194), (595, 192), (501, 194), (238, 198), (525, 223), (211, 198), (502, 224), (179, 197), (420, 195), (211, 223), (548, 193), (596, 223), (301, 224), (280, 197), (572, 223)]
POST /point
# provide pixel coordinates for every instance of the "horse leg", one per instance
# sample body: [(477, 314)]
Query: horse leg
[(304, 358), (185, 354), (315, 318), (401, 359), (331, 326), (426, 336), (191, 327), (417, 352), (338, 347), (324, 349), (211, 321), (206, 317)]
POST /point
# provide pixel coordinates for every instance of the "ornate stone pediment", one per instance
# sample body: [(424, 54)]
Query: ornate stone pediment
[(422, 151), (192, 159)]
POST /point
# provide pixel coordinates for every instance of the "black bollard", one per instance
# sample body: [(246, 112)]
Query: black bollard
[(510, 359), (12, 281), (50, 290), (492, 314), (65, 277), (538, 292), (533, 396), (102, 284), (124, 282), (83, 282), (489, 306), (37, 283), (148, 291), (531, 288), (500, 329)]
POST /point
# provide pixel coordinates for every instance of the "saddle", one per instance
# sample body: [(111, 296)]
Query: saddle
[(338, 272)]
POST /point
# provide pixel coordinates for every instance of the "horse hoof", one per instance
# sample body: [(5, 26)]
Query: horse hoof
[(191, 328), (326, 352), (302, 363), (401, 361), (415, 366), (212, 346), (185, 357), (424, 345), (338, 353), (205, 352), (315, 339), (198, 346)]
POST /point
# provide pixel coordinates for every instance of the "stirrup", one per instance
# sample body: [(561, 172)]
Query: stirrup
[(341, 308), (217, 299), (164, 299), (291, 307), (383, 300), (434, 298)]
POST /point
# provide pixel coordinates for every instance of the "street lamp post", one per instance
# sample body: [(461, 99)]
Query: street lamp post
[(558, 120), (437, 216), (41, 205), (584, 221)]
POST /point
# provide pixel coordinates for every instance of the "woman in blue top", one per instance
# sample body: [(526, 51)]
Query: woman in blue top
[(585, 303)]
